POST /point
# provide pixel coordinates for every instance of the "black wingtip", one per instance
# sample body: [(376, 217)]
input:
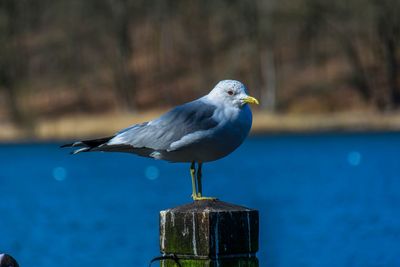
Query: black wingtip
[(67, 145)]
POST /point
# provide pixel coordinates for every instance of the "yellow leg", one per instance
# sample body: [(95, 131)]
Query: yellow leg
[(199, 196), (193, 174), (199, 185)]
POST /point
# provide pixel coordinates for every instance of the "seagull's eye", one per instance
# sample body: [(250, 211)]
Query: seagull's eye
[(230, 92)]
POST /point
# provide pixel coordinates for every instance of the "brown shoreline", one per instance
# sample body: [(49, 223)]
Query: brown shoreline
[(87, 126)]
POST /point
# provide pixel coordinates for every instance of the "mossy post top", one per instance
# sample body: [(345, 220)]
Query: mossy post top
[(209, 229)]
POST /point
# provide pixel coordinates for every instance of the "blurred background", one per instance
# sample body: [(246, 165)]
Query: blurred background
[(322, 165), (312, 63)]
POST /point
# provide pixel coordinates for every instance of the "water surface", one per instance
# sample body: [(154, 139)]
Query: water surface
[(324, 200)]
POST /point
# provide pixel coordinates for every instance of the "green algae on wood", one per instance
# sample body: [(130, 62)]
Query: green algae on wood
[(210, 231), (228, 262)]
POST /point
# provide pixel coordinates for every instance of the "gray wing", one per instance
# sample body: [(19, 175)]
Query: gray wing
[(171, 127)]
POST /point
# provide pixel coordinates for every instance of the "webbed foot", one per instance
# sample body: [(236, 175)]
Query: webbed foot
[(199, 197)]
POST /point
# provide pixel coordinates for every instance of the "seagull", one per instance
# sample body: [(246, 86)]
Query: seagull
[(204, 130)]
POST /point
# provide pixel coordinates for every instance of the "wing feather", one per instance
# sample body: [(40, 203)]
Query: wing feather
[(171, 127)]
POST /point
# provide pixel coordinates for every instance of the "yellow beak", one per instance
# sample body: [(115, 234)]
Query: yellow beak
[(251, 100)]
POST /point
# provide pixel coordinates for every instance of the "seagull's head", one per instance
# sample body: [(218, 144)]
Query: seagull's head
[(232, 92)]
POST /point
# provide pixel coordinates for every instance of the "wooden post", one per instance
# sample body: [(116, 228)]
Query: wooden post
[(209, 233), (7, 261)]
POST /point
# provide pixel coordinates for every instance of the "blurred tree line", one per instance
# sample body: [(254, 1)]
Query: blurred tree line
[(65, 56)]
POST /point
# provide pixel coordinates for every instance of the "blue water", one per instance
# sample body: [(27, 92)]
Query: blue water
[(324, 200)]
